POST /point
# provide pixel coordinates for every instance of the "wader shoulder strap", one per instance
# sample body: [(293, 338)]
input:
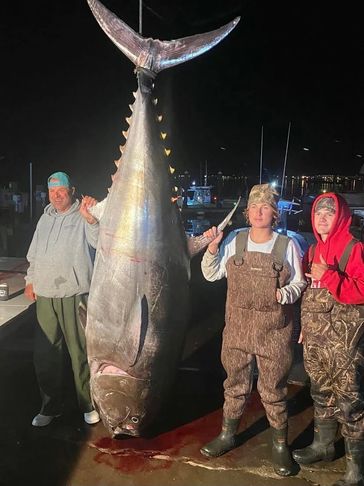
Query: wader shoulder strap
[(240, 246), (345, 256), (280, 249)]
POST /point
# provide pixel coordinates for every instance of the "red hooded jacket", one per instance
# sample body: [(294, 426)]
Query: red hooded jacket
[(347, 287)]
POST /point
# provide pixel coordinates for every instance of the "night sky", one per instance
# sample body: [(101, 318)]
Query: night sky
[(65, 88)]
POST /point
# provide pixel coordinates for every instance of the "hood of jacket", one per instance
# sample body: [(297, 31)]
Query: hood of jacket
[(51, 211), (339, 236)]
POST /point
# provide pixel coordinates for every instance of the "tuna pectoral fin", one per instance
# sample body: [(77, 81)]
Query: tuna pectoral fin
[(198, 243), (136, 330), (155, 55)]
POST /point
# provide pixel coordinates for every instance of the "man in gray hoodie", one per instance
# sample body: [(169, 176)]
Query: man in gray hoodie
[(60, 267)]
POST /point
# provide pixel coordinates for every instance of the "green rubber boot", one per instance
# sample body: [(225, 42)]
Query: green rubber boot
[(354, 475), (323, 445), (281, 456), (225, 441)]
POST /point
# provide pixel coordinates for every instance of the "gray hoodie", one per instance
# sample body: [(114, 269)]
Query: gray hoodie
[(61, 254)]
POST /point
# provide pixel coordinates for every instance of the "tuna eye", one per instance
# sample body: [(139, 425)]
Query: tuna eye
[(135, 420)]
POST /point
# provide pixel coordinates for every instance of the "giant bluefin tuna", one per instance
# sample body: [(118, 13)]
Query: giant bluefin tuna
[(138, 303)]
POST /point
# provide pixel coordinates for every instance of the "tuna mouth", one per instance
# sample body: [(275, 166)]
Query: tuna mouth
[(128, 425), (111, 369), (107, 368), (126, 430)]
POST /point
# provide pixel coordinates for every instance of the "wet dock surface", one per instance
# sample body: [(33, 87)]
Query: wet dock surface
[(71, 453)]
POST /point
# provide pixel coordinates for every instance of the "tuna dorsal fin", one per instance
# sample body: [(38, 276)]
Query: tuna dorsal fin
[(155, 55)]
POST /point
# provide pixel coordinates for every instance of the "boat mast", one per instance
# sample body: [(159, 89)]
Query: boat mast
[(285, 159), (261, 155), (140, 17)]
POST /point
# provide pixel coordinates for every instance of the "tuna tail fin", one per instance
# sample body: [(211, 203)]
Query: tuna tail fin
[(198, 243), (155, 55)]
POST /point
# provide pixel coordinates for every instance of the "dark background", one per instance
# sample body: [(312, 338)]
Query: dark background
[(65, 88)]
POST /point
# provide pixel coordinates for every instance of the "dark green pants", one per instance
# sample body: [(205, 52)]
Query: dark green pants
[(59, 324)]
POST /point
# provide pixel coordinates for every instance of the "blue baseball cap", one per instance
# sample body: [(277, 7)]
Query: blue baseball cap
[(59, 179)]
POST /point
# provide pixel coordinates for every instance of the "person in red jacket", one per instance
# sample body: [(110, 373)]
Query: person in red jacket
[(332, 316)]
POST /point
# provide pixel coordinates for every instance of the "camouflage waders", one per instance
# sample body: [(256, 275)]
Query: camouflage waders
[(333, 339), (259, 329)]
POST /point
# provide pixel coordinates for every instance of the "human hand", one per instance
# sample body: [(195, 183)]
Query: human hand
[(278, 295), (318, 269), (29, 292), (86, 203), (216, 236)]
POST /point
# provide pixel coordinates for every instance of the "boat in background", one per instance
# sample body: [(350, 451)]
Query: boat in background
[(200, 196)]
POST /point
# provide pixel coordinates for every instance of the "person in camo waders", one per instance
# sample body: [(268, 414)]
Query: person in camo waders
[(332, 318), (264, 276)]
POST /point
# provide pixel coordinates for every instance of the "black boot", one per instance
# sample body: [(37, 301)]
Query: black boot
[(323, 445), (225, 441), (354, 452), (281, 456)]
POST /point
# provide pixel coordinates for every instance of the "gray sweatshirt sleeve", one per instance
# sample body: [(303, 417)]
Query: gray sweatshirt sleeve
[(297, 282), (31, 258), (92, 233)]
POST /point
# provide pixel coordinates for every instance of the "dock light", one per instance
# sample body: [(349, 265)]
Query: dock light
[(193, 183), (306, 149), (273, 184)]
